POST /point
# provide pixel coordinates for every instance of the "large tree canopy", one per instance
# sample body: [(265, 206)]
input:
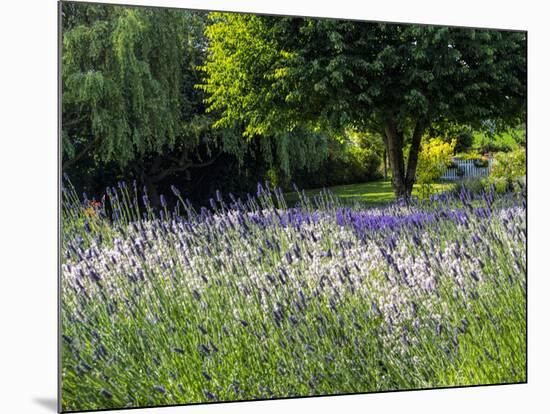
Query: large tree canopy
[(276, 74)]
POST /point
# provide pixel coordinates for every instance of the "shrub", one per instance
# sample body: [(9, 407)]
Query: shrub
[(346, 164), (500, 142), (473, 185), (363, 163), (432, 162), (448, 131), (481, 162), (508, 167)]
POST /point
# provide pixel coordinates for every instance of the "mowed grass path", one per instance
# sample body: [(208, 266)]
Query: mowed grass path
[(372, 193)]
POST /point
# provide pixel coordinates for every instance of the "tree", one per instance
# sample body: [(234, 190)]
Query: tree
[(275, 74), (129, 99)]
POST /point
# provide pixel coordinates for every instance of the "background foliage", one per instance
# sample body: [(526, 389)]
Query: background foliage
[(220, 100)]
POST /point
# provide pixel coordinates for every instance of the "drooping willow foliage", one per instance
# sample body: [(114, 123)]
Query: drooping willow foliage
[(132, 109), (127, 72)]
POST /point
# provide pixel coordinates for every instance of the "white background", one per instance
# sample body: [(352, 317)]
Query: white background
[(28, 149)]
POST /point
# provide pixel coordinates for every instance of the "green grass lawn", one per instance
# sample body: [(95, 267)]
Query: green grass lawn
[(373, 193)]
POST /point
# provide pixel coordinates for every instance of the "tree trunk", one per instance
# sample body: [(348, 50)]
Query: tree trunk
[(416, 139), (403, 180), (394, 143), (385, 164)]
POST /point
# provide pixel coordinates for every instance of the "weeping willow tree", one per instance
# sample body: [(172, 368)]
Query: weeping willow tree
[(129, 100), (132, 108)]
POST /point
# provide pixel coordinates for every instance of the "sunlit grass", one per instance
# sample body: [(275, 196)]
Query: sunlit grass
[(374, 193)]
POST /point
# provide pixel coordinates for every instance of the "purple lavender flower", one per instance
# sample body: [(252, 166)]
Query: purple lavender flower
[(175, 191)]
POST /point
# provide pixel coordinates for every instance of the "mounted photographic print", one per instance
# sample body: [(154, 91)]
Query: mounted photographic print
[(259, 207)]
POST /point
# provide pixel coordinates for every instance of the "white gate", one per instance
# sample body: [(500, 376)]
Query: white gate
[(464, 169)]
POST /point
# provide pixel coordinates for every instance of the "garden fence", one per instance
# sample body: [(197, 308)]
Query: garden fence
[(464, 169)]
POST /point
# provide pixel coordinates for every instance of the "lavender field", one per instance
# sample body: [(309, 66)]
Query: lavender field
[(251, 298)]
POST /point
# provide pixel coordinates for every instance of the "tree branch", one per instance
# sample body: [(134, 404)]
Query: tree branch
[(74, 121), (181, 168)]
